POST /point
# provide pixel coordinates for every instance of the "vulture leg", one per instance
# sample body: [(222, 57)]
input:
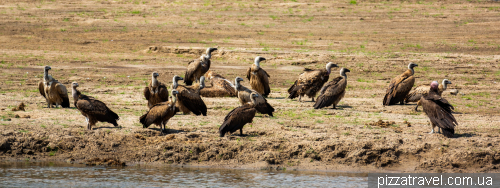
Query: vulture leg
[(312, 98), (300, 97), (334, 107), (432, 130), (416, 108), (439, 129), (241, 132)]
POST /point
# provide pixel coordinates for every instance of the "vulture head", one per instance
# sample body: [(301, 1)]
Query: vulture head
[(202, 82), (74, 85), (174, 92), (329, 67), (237, 81), (343, 71), (254, 97), (155, 75), (445, 83), (434, 85), (411, 65), (174, 81), (209, 52), (47, 68), (258, 59)]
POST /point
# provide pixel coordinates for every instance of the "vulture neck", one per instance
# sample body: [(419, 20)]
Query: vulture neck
[(411, 69), (257, 64), (174, 100), (202, 85), (174, 84), (154, 82), (46, 75), (237, 85), (342, 73), (253, 101), (209, 55), (75, 94)]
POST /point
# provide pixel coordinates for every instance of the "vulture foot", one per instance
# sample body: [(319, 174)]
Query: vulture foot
[(432, 131)]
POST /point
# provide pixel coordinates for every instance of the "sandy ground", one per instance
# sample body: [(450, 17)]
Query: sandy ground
[(111, 48)]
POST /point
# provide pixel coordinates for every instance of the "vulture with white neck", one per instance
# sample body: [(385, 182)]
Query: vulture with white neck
[(400, 87), (310, 82), (160, 113), (245, 96), (221, 87), (333, 91), (439, 111), (54, 92), (238, 117), (198, 67), (423, 90), (188, 97), (259, 79), (156, 92)]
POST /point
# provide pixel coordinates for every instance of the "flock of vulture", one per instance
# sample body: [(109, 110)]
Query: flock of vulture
[(188, 98)]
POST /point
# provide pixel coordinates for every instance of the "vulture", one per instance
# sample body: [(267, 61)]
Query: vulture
[(54, 92), (238, 117), (221, 87), (439, 111), (258, 77), (310, 82), (423, 90), (198, 68), (188, 97), (156, 92), (160, 113), (93, 109), (244, 95), (400, 87), (333, 91)]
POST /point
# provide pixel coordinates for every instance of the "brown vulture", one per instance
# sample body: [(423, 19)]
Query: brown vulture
[(423, 90), (333, 91), (258, 77), (93, 109), (439, 111), (400, 87), (310, 82), (198, 67), (156, 92), (238, 117), (188, 97), (54, 92), (221, 87), (160, 113), (244, 95)]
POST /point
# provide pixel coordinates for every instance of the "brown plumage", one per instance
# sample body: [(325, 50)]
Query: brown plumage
[(198, 67), (244, 95), (160, 113), (439, 111), (54, 92), (93, 109), (400, 87), (238, 117), (188, 98), (310, 82), (422, 91), (221, 87), (258, 77), (333, 91), (156, 92)]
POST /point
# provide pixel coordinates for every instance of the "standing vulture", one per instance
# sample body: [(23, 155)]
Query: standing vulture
[(160, 113), (54, 92), (333, 91), (188, 97), (156, 92), (198, 67), (422, 91), (400, 87), (221, 87), (245, 96), (439, 111), (258, 77), (93, 109), (310, 82), (238, 117)]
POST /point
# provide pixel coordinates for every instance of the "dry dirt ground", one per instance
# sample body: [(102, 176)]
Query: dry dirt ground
[(111, 47)]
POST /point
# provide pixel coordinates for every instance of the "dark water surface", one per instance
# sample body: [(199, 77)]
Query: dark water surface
[(29, 174)]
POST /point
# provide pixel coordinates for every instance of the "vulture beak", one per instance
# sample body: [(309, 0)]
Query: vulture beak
[(347, 70)]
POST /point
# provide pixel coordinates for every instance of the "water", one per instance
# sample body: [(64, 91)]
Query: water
[(19, 174)]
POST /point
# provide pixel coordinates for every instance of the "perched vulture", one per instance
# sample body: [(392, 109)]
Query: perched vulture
[(400, 87), (160, 113), (439, 111), (333, 91), (198, 67), (422, 91), (54, 92), (258, 77), (188, 97), (93, 109), (310, 82), (244, 95), (238, 117), (221, 87), (156, 92)]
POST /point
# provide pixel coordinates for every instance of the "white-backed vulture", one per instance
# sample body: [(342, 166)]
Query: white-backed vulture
[(160, 113), (221, 87), (54, 92), (310, 82), (156, 92), (93, 109), (258, 77), (198, 67), (244, 95), (238, 117), (333, 91), (400, 87), (422, 91), (439, 111), (188, 97)]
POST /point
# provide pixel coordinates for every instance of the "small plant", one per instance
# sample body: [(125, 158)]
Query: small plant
[(353, 2)]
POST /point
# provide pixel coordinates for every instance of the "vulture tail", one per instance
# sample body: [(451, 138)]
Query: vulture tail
[(448, 132), (293, 90), (142, 119), (114, 117), (188, 82), (320, 102), (65, 103)]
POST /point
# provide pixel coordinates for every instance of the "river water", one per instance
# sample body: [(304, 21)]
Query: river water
[(30, 174)]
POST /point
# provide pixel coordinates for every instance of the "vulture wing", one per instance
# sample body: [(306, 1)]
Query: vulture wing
[(440, 114), (330, 92), (163, 92), (97, 109), (417, 93), (41, 89), (263, 107), (63, 93), (399, 88), (193, 102), (236, 119), (249, 70), (191, 69), (155, 114), (264, 79), (147, 93)]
